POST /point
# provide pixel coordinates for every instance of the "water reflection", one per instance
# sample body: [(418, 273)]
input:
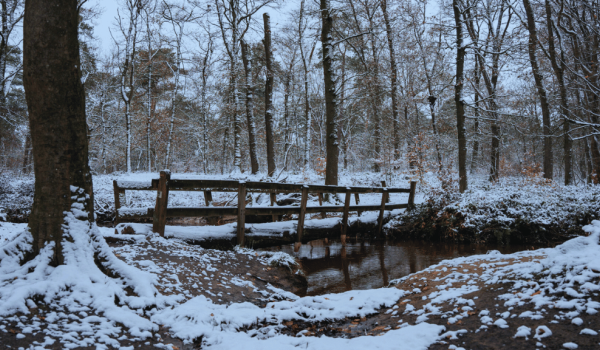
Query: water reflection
[(333, 268)]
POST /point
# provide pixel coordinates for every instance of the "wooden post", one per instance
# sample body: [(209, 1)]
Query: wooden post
[(119, 194), (345, 216), (159, 221), (323, 213), (411, 195), (273, 196), (384, 197), (208, 198), (384, 186), (241, 221), (301, 217), (357, 201)]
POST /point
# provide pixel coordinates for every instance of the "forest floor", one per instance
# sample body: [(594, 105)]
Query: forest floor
[(545, 298)]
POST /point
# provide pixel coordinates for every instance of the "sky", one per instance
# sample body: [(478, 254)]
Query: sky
[(109, 11)]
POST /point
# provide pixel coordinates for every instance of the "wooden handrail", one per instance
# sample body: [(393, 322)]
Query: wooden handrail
[(164, 184)]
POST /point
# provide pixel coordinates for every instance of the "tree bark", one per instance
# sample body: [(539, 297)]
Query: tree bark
[(564, 100), (394, 79), (458, 99), (269, 97), (250, 106), (331, 168), (539, 83), (56, 105)]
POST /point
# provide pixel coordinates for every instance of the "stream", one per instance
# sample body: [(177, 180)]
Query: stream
[(333, 268)]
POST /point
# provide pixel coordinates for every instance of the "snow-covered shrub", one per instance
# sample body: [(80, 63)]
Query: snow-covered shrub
[(513, 209)]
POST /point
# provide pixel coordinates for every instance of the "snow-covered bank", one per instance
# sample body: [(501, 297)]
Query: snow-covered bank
[(511, 211)]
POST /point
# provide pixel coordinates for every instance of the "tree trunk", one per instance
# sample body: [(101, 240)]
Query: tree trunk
[(539, 83), (269, 97), (394, 79), (564, 100), (458, 99), (250, 106), (56, 105), (331, 168)]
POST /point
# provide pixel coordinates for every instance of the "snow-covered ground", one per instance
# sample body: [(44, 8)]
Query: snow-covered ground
[(80, 306)]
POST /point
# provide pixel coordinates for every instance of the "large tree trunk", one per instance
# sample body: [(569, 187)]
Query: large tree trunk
[(539, 83), (269, 97), (331, 168), (394, 79), (250, 106), (56, 105), (564, 100), (458, 99)]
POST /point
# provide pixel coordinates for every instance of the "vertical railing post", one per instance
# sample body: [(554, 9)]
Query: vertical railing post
[(345, 215), (208, 198), (357, 201), (241, 221), (159, 221), (411, 195), (384, 198), (273, 197), (384, 186), (300, 230), (323, 213), (119, 194)]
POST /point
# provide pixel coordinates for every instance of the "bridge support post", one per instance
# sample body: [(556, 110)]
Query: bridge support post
[(159, 219), (411, 195), (345, 216), (357, 201), (273, 196), (241, 221), (384, 198), (119, 194), (300, 230)]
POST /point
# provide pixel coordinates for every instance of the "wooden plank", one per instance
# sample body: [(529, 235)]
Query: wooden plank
[(381, 211), (411, 196), (205, 212), (134, 185), (159, 220), (268, 187), (241, 222), (357, 201), (303, 202), (345, 215), (203, 185), (283, 210)]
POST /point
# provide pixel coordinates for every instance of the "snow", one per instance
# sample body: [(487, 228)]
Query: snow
[(84, 299)]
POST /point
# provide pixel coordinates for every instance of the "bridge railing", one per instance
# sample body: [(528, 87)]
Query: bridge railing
[(164, 184)]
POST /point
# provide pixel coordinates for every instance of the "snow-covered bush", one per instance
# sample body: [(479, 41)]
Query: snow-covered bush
[(513, 209)]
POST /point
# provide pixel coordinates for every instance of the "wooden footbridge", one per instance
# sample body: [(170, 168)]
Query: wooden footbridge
[(164, 184)]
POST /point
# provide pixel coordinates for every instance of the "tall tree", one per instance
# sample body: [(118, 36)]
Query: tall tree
[(129, 33), (269, 96), (329, 77), (541, 90), (56, 104), (458, 97), (393, 78), (247, 61)]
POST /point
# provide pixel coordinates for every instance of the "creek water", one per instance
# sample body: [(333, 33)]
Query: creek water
[(333, 268)]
